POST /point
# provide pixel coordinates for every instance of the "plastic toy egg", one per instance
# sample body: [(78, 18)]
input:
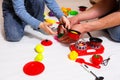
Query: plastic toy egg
[(73, 55), (39, 48), (39, 57)]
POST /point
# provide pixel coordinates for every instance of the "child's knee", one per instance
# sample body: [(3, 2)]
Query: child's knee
[(14, 38)]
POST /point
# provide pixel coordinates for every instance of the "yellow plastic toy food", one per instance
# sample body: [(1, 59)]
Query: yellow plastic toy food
[(51, 21), (73, 55), (66, 11), (39, 57), (39, 48)]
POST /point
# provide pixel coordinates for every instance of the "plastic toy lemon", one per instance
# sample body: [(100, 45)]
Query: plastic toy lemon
[(39, 48), (73, 55), (51, 21), (39, 57)]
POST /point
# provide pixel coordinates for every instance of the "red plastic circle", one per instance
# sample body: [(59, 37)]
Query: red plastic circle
[(46, 42), (33, 68)]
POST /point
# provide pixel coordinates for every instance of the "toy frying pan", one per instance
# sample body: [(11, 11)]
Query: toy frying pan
[(94, 38), (94, 42)]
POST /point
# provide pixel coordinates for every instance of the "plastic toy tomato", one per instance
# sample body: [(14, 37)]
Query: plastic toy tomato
[(97, 59)]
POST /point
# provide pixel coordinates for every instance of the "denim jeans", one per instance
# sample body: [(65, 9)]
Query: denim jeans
[(114, 33), (13, 25)]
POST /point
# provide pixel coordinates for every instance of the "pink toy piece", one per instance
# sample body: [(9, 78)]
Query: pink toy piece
[(33, 68), (56, 38)]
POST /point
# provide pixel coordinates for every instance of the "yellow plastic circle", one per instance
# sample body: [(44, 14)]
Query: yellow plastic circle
[(39, 48), (73, 55), (39, 57)]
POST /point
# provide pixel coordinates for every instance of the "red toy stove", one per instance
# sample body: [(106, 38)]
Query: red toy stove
[(87, 48)]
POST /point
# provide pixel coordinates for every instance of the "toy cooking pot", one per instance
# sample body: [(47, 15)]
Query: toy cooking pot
[(82, 8), (94, 42), (73, 34)]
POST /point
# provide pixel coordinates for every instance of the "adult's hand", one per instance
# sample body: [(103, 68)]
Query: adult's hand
[(70, 36), (67, 39), (73, 20)]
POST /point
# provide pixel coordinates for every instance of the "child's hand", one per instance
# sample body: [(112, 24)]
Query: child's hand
[(46, 28), (67, 36), (64, 20)]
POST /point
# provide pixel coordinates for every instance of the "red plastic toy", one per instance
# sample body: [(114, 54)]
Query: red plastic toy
[(96, 59), (82, 8), (75, 35), (33, 68), (46, 42), (82, 61), (85, 48)]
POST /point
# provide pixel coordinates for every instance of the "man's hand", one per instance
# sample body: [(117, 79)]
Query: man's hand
[(74, 20)]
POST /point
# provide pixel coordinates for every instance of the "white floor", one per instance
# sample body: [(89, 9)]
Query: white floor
[(14, 55)]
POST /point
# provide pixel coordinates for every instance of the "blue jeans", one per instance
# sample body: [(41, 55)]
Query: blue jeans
[(114, 33), (13, 25)]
